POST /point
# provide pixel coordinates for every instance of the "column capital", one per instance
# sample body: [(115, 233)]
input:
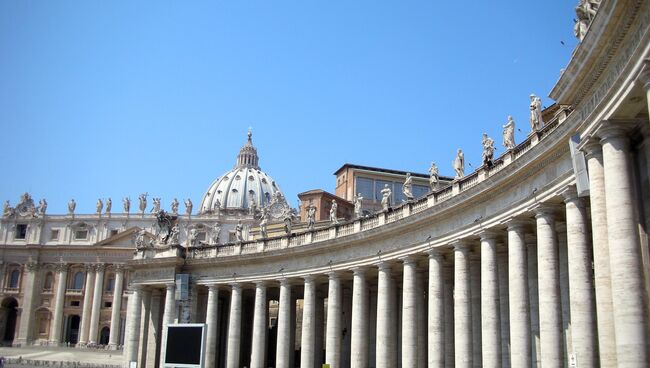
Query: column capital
[(545, 210), (309, 279), (285, 282), (336, 275), (261, 283), (616, 130), (436, 253), (591, 146), (89, 267), (119, 267), (61, 267), (570, 194), (408, 259), (32, 266), (212, 287), (384, 265), (462, 245), (170, 286), (359, 271), (489, 234), (100, 267), (517, 222), (235, 286)]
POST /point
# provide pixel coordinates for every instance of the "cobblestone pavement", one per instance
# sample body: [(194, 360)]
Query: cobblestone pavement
[(51, 355)]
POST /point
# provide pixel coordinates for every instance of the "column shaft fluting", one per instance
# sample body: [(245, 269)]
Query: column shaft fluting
[(114, 333), (602, 273), (87, 305), (55, 334), (360, 323), (582, 300), (436, 327), (548, 275), (234, 328), (490, 315), (258, 346), (169, 315), (308, 338), (624, 251), (211, 319), (386, 341), (520, 337), (462, 308), (409, 314), (334, 320), (97, 304), (283, 347)]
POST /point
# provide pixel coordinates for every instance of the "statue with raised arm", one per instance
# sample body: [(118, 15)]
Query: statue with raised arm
[(42, 207), (109, 206), (99, 206), (358, 201), (582, 23), (140, 239), (488, 150), (434, 176), (174, 235), (188, 207), (459, 164), (72, 205), (126, 204), (536, 121), (407, 187), (385, 197), (311, 217), (174, 206), (142, 205), (509, 134), (156, 205), (7, 210), (333, 212)]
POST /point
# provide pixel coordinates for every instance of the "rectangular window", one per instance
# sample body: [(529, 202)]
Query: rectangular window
[(201, 236), (81, 235), (75, 303), (365, 187), (420, 191), (108, 304), (114, 232), (398, 196), (54, 235), (21, 231)]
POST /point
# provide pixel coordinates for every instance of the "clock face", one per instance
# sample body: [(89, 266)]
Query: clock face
[(276, 210)]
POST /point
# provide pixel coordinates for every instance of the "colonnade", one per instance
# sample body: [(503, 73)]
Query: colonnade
[(520, 293)]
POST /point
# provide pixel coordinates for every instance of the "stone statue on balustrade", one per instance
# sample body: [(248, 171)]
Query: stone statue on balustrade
[(174, 235), (385, 197), (174, 206), (536, 121), (156, 206), (264, 222), (188, 207), (311, 217), (142, 205), (99, 206), (7, 210), (126, 204), (192, 237), (488, 150), (581, 23), (215, 232), (407, 187), (333, 212), (109, 206), (358, 202), (288, 223), (72, 205), (42, 207), (509, 134), (252, 206), (459, 164), (434, 176), (239, 232)]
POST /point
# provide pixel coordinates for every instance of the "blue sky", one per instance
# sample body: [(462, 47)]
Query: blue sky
[(112, 99)]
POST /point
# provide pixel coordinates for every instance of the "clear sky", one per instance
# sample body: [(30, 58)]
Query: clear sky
[(116, 98)]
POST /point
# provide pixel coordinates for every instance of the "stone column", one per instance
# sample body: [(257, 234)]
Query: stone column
[(421, 303), (57, 323), (583, 313), (211, 319), (448, 296), (258, 348), (386, 348), (97, 303), (145, 320), (490, 315), (133, 320), (25, 335), (234, 328), (436, 327), (360, 320), (334, 320), (624, 250), (114, 333), (409, 314), (308, 336), (169, 315), (462, 307), (548, 275), (520, 337), (87, 305), (602, 273), (283, 347)]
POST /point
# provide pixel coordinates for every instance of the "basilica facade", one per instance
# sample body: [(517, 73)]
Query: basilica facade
[(539, 258)]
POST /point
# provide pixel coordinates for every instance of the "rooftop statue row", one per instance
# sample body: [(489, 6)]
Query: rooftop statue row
[(585, 12)]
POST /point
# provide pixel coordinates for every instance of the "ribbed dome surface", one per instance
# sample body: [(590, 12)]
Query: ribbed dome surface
[(235, 188)]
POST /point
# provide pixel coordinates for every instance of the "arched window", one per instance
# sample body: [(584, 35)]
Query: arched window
[(13, 279), (49, 281), (78, 281)]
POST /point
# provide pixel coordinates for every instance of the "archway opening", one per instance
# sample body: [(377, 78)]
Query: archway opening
[(104, 336), (72, 329), (8, 317)]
